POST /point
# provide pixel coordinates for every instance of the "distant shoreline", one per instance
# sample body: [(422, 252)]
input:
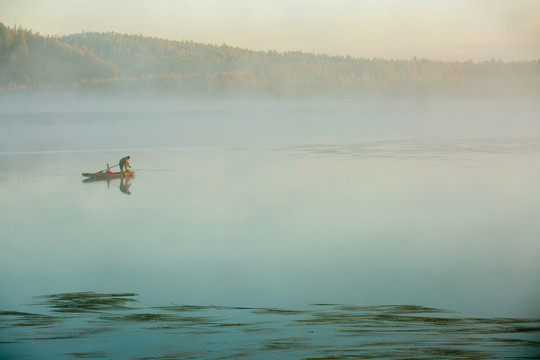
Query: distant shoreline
[(134, 66)]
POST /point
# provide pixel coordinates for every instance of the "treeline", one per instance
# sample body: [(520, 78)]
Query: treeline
[(111, 62)]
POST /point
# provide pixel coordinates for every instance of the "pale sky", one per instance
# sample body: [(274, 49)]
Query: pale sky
[(436, 29)]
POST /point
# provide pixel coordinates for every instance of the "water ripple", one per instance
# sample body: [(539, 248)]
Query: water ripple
[(433, 148), (90, 325)]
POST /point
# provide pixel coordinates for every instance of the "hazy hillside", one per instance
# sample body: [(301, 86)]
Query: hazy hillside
[(111, 62)]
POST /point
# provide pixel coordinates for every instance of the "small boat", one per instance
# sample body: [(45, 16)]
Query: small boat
[(108, 175)]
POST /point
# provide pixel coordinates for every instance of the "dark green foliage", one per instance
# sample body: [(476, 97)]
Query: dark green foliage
[(29, 60), (111, 62)]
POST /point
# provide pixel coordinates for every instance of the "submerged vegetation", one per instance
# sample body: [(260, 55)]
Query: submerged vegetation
[(107, 63)]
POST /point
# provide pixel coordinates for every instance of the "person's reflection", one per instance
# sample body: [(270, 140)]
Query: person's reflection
[(124, 185)]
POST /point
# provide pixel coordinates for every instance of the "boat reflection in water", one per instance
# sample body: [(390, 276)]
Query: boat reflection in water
[(125, 182), (124, 185)]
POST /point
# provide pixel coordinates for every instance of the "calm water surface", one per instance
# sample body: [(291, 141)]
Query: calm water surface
[(336, 231)]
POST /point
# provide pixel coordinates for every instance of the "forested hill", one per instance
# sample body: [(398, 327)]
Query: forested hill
[(112, 62)]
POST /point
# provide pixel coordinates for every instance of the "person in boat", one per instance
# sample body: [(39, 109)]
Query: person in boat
[(124, 164)]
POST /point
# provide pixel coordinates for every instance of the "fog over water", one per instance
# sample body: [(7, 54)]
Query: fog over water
[(90, 125), (274, 205)]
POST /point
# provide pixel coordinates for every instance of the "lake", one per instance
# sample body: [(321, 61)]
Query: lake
[(315, 230)]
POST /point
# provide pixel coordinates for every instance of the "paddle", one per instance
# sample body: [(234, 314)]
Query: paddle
[(108, 168)]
